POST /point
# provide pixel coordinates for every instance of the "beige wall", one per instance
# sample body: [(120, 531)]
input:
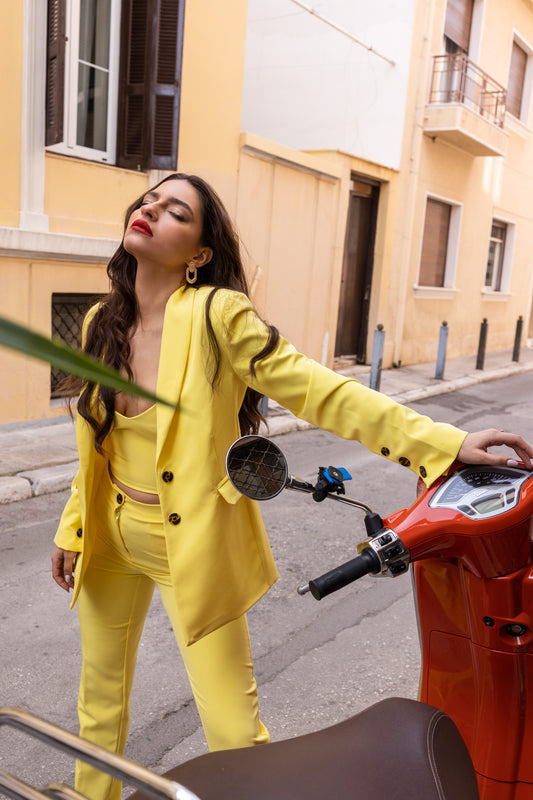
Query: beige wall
[(291, 215), (287, 214)]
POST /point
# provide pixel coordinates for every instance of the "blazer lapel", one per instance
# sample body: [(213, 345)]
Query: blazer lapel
[(175, 345)]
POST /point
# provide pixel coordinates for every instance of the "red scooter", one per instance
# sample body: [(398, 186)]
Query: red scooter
[(469, 539), (468, 530)]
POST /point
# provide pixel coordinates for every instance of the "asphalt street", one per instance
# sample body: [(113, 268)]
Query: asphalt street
[(316, 663)]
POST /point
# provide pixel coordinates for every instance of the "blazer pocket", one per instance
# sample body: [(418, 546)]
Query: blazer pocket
[(228, 491)]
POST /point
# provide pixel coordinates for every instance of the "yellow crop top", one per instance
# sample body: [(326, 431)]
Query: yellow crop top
[(132, 444)]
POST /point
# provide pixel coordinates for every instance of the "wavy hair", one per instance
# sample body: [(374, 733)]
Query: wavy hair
[(109, 331)]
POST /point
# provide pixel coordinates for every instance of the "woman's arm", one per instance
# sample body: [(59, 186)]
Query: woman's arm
[(345, 407)]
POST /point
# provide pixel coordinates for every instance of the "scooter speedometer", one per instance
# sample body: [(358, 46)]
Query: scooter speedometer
[(481, 492)]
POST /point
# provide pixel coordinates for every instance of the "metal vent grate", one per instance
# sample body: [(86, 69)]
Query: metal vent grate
[(68, 312)]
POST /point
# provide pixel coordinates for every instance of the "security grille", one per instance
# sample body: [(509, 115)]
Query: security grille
[(68, 311)]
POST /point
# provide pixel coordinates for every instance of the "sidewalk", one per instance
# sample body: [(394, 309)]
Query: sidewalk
[(40, 457)]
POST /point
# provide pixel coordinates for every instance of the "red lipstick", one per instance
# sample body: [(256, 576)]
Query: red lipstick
[(142, 226)]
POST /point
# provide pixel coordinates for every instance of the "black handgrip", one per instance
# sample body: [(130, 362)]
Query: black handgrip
[(341, 576)]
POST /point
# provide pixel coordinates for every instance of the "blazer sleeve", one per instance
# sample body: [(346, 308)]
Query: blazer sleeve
[(68, 535), (330, 401)]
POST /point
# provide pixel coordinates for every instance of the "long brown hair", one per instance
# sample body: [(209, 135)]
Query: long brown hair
[(108, 333)]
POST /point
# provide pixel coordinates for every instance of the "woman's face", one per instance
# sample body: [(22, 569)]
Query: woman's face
[(166, 231)]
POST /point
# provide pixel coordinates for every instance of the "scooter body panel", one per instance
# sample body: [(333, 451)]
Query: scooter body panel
[(487, 691), (474, 605)]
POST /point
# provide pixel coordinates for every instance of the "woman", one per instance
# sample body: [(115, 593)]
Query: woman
[(151, 504)]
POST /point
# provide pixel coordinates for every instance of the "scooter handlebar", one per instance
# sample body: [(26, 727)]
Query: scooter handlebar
[(341, 576)]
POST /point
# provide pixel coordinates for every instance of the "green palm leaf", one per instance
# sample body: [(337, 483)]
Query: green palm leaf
[(59, 355)]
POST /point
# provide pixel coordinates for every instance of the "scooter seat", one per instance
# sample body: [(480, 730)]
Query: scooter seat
[(398, 749)]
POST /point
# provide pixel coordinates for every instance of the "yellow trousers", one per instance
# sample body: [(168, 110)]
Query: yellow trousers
[(128, 561)]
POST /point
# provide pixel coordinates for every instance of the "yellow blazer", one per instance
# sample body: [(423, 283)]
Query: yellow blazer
[(219, 555)]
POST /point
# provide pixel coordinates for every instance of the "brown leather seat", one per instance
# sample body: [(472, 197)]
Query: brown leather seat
[(397, 749)]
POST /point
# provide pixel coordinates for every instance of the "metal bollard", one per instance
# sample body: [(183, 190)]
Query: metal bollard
[(517, 338), (441, 354), (377, 358), (482, 344)]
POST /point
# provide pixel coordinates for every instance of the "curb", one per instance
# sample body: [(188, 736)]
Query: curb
[(13, 489), (35, 482)]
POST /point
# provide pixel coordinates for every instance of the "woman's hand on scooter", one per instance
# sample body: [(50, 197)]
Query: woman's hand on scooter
[(63, 563), (474, 449)]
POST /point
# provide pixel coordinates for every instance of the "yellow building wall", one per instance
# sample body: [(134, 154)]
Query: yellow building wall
[(10, 126), (88, 199), (29, 286)]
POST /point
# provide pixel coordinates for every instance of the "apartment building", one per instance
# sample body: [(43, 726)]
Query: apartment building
[(427, 104)]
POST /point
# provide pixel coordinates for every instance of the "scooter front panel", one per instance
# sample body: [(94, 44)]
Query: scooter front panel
[(475, 669)]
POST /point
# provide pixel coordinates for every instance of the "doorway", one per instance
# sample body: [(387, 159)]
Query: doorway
[(357, 268)]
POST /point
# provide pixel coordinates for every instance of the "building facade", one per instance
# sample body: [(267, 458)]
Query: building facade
[(437, 95), (376, 158)]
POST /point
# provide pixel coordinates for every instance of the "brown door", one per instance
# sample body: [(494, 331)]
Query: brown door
[(356, 281)]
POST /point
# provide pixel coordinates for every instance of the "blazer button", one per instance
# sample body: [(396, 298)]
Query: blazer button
[(174, 519), (79, 533), (385, 451), (423, 472), (168, 476), (404, 461)]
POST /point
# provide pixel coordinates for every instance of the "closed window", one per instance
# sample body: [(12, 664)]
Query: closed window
[(113, 80), (458, 25), (435, 243), (517, 79), (495, 260)]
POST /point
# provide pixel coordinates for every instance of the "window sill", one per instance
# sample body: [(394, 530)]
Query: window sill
[(18, 243), (434, 292), (517, 126), (492, 296), (83, 153)]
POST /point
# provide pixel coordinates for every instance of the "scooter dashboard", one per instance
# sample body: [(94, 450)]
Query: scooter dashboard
[(481, 492)]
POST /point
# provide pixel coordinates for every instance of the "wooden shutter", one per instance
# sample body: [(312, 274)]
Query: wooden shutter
[(435, 243), (515, 87), (150, 82), (55, 71), (459, 22)]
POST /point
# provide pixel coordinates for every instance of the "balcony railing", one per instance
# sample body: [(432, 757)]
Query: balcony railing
[(456, 79)]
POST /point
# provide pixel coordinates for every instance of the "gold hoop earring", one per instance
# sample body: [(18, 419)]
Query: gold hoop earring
[(191, 274)]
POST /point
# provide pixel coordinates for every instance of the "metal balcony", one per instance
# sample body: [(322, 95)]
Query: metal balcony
[(466, 107)]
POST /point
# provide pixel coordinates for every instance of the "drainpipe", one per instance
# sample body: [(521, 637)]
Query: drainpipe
[(412, 179)]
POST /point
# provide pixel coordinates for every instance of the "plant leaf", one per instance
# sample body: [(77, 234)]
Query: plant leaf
[(23, 340)]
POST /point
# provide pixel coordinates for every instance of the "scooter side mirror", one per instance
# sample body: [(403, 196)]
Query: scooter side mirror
[(256, 467)]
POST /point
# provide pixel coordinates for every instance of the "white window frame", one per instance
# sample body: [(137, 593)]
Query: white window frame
[(452, 251), (68, 146), (507, 263), (527, 90)]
